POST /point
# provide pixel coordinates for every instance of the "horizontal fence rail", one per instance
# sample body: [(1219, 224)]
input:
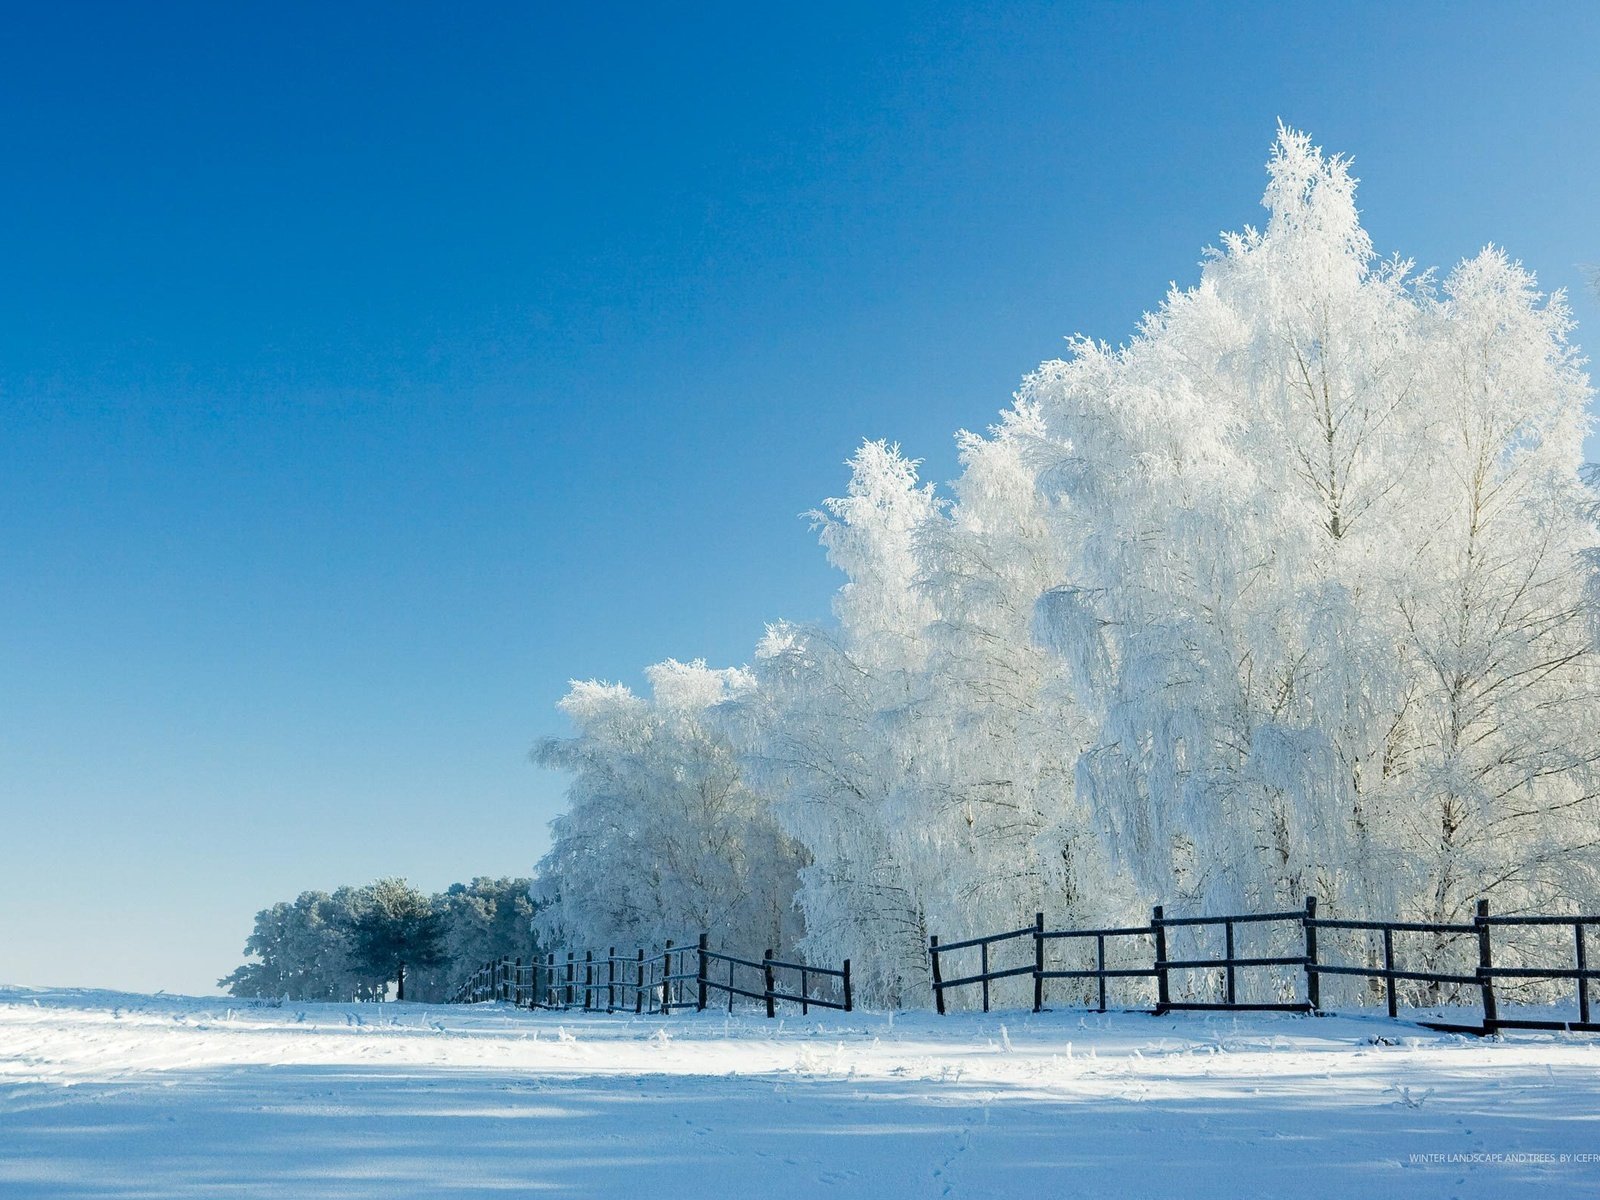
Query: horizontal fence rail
[(1279, 961), (1229, 962), (1579, 973), (1388, 957), (674, 977)]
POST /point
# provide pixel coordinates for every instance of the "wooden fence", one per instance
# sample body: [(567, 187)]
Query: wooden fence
[(1289, 976), (674, 977)]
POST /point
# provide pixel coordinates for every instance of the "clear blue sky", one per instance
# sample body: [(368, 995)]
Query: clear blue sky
[(368, 372)]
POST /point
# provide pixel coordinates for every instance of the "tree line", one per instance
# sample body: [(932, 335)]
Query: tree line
[(1292, 593), (355, 942)]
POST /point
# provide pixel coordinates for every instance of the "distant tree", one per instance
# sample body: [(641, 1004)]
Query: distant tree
[(302, 951), (308, 949), (664, 838), (395, 926), (484, 920)]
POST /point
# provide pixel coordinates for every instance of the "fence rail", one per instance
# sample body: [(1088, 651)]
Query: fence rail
[(1293, 981), (674, 977), (1499, 963)]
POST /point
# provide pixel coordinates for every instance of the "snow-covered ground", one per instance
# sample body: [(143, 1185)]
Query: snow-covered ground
[(105, 1094)]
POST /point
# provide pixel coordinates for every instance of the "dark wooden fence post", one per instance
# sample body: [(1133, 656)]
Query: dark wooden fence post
[(849, 1001), (516, 985), (588, 980), (666, 982), (1227, 943), (1100, 966), (1491, 1015), (700, 973), (983, 968), (552, 992), (1038, 962), (571, 978), (1583, 980), (1313, 980), (1163, 994), (611, 979), (766, 978), (1388, 971), (938, 976), (638, 990)]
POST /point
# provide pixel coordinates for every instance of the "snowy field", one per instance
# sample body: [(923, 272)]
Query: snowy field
[(105, 1094)]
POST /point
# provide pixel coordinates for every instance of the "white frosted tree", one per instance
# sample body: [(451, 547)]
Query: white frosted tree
[(1006, 831), (1293, 593), (483, 921), (663, 838), (301, 951), (1503, 700), (830, 733), (1267, 494)]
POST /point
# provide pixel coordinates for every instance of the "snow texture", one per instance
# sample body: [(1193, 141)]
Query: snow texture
[(105, 1094)]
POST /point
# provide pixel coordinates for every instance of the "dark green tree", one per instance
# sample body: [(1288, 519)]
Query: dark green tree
[(395, 926), (302, 952), (484, 920)]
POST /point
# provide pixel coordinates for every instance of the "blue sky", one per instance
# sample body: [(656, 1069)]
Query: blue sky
[(367, 374)]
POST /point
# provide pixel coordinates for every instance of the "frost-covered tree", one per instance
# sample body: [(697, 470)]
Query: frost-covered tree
[(482, 921), (301, 951), (1286, 614), (306, 950), (395, 926), (1219, 481), (663, 839), (922, 748), (1007, 833), (1503, 699), (1292, 593), (832, 729)]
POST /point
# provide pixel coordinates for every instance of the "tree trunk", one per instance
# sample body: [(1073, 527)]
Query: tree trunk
[(400, 994)]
